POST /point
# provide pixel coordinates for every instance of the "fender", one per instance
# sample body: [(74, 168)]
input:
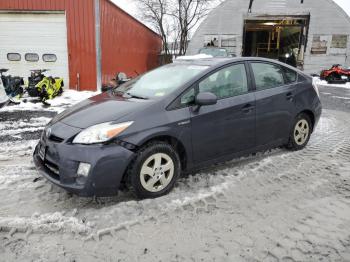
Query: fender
[(183, 137)]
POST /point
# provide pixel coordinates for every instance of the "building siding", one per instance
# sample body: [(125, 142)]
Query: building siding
[(326, 19), (127, 45), (80, 35)]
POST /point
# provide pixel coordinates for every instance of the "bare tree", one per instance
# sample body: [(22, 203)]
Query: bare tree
[(174, 19), (188, 13), (154, 12)]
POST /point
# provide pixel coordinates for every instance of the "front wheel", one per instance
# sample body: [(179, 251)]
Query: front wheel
[(154, 171), (301, 132)]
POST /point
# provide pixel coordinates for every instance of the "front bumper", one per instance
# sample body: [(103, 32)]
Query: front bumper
[(60, 161)]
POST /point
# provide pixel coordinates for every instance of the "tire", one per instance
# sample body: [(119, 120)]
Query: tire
[(154, 170), (301, 132)]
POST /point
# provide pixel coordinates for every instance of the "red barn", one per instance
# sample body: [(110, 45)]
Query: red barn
[(84, 41)]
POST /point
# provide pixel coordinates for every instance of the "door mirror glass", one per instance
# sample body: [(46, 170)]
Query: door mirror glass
[(206, 99)]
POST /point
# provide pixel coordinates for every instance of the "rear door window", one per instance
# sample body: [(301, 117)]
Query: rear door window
[(267, 75)]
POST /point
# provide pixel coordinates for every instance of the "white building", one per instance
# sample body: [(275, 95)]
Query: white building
[(315, 32)]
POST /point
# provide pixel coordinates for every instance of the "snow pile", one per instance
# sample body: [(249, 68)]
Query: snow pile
[(317, 81), (70, 98), (58, 104), (54, 222), (10, 150), (11, 127)]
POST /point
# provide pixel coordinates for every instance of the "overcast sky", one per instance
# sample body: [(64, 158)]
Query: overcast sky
[(131, 8)]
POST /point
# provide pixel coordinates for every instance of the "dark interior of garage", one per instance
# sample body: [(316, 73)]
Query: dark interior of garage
[(280, 39)]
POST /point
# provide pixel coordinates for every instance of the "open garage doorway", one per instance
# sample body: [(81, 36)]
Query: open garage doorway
[(281, 38)]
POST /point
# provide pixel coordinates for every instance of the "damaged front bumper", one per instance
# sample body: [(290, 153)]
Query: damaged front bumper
[(59, 163)]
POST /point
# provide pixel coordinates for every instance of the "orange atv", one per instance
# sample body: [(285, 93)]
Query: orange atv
[(336, 74)]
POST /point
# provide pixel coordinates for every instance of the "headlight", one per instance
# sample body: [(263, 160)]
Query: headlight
[(100, 133)]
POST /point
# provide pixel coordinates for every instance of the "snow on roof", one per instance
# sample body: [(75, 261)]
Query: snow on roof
[(194, 57)]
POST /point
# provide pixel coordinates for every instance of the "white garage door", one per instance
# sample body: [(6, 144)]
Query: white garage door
[(34, 41)]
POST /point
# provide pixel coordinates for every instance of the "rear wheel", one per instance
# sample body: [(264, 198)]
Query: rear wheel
[(154, 171), (301, 132)]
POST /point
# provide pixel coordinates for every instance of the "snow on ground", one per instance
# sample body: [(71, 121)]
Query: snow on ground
[(277, 205), (324, 83), (274, 206), (58, 104)]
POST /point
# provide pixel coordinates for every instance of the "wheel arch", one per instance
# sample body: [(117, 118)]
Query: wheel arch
[(310, 114), (165, 138), (174, 142)]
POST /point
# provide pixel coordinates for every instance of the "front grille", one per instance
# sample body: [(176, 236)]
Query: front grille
[(56, 139), (55, 172)]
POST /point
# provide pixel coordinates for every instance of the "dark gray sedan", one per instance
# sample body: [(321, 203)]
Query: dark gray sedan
[(176, 119)]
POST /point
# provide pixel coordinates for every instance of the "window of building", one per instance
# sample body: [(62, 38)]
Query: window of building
[(229, 42), (228, 82), (339, 41), (32, 57), (290, 75), (267, 76), (319, 45), (13, 57), (49, 58)]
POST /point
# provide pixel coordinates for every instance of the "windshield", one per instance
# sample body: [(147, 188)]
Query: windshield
[(160, 82), (215, 52)]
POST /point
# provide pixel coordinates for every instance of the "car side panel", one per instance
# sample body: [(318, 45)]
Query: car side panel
[(275, 109), (307, 100), (157, 123), (224, 128)]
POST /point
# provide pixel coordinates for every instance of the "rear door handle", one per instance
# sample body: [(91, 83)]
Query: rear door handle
[(248, 108), (289, 96)]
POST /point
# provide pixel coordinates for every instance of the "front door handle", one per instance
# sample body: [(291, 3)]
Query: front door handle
[(248, 108), (289, 96)]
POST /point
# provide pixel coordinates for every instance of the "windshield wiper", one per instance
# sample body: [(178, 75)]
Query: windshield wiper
[(136, 96)]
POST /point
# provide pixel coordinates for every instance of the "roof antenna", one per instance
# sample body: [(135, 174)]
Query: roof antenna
[(251, 5), (301, 1)]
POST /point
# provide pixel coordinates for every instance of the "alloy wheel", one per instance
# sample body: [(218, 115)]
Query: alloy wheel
[(301, 132), (157, 172)]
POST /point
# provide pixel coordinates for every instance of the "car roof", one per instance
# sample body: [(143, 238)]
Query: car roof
[(221, 61), (206, 61)]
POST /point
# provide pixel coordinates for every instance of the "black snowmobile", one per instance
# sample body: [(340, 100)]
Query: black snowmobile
[(13, 85), (36, 76)]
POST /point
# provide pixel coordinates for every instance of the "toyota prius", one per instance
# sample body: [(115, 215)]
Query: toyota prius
[(177, 119)]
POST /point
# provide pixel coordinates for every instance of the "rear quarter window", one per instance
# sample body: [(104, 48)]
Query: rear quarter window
[(302, 78), (290, 75)]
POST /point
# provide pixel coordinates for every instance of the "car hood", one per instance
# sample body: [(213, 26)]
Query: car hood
[(102, 108)]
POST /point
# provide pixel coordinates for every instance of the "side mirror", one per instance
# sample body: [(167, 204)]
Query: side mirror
[(122, 78), (206, 99)]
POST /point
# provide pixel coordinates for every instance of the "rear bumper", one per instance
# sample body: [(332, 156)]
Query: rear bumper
[(317, 113), (61, 161)]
